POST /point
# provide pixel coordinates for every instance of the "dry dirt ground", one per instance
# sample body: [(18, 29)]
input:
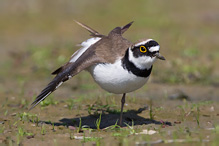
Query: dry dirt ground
[(179, 104)]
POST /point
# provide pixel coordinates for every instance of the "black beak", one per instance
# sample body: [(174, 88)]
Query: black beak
[(159, 56)]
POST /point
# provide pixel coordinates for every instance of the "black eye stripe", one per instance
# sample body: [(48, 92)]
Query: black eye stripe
[(138, 51), (154, 52)]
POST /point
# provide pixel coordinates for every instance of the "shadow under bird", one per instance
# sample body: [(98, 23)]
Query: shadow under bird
[(116, 64)]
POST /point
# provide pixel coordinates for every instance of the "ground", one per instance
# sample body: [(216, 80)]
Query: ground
[(179, 104)]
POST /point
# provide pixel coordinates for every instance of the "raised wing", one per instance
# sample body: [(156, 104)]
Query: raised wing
[(102, 49), (67, 72), (85, 45), (79, 61)]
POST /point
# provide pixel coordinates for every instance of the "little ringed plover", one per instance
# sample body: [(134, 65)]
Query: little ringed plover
[(116, 64)]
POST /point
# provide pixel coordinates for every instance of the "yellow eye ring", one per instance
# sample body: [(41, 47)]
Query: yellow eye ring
[(143, 49)]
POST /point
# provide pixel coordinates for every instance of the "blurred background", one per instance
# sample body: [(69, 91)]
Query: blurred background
[(38, 36)]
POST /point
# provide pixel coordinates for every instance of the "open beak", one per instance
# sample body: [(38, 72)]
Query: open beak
[(159, 56)]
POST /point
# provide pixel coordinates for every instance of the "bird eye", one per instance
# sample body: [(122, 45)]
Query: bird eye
[(143, 49)]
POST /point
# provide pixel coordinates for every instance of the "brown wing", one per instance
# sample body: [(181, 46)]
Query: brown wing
[(113, 46), (65, 73), (108, 49)]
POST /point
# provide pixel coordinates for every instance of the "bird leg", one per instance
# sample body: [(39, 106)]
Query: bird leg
[(121, 113)]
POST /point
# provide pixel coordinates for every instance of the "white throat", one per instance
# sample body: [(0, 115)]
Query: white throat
[(143, 62)]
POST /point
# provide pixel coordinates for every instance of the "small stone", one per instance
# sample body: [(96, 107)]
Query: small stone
[(33, 125), (177, 122), (30, 136), (78, 137), (210, 128), (71, 127), (41, 123), (13, 98), (145, 131), (13, 114), (212, 109), (61, 127), (206, 115), (163, 126)]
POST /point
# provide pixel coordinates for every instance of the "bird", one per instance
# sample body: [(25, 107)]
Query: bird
[(116, 64)]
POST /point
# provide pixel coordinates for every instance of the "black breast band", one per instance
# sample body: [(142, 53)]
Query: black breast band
[(132, 68)]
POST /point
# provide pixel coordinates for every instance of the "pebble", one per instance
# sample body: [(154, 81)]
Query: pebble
[(212, 109), (61, 127), (71, 127), (177, 122), (145, 131), (30, 136), (13, 114), (33, 125)]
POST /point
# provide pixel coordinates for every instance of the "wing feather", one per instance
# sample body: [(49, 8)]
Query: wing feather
[(93, 32), (106, 50), (69, 70)]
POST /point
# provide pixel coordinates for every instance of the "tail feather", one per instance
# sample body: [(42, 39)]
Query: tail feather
[(93, 32), (126, 27)]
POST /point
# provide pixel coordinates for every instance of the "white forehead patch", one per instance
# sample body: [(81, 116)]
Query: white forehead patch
[(154, 48), (142, 43)]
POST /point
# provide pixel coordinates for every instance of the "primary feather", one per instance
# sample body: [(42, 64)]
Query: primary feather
[(90, 54)]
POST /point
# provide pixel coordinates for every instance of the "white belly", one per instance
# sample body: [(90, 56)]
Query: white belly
[(115, 79)]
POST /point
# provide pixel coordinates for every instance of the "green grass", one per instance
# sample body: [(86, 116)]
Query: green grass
[(21, 133), (36, 40), (43, 130), (28, 117), (182, 133), (48, 101), (98, 123)]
